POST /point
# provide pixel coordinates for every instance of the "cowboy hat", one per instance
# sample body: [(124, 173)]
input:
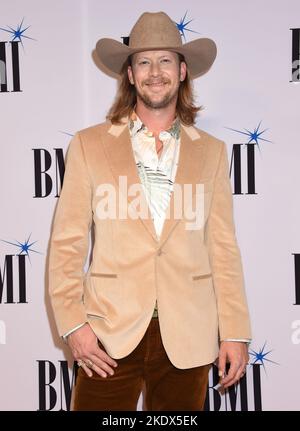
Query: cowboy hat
[(156, 31)]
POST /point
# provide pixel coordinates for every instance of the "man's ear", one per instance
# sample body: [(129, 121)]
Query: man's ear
[(130, 75), (182, 70)]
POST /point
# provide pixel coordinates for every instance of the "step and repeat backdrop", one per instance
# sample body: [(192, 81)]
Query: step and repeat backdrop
[(50, 87)]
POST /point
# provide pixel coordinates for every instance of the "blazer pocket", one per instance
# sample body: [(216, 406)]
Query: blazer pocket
[(201, 276), (104, 274)]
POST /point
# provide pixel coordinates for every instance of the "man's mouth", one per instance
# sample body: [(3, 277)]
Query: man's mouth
[(156, 84)]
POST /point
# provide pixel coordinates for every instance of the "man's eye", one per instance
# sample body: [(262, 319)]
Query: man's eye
[(166, 60), (143, 62)]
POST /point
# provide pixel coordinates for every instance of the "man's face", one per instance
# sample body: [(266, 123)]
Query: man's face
[(156, 76)]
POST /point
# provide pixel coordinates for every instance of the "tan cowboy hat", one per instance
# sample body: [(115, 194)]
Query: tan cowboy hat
[(157, 31)]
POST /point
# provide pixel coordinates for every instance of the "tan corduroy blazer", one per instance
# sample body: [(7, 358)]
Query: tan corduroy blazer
[(196, 275)]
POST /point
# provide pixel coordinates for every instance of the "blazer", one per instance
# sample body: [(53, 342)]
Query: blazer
[(195, 275)]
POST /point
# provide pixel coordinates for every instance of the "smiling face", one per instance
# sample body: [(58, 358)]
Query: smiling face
[(156, 76)]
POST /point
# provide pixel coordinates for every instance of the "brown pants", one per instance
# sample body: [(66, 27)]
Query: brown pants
[(146, 367)]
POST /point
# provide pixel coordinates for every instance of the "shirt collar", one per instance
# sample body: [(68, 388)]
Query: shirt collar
[(136, 126)]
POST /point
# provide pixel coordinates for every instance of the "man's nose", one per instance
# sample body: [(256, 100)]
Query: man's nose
[(155, 68)]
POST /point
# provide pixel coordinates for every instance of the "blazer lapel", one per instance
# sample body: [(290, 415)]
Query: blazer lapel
[(189, 172), (121, 159)]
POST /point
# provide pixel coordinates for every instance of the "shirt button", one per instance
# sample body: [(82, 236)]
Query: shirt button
[(159, 252)]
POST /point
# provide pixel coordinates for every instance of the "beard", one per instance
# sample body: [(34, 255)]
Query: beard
[(165, 101)]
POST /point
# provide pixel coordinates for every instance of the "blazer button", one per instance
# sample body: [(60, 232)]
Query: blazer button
[(159, 252)]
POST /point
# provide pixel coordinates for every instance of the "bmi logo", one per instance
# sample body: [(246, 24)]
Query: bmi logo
[(297, 277), (44, 183), (13, 279), (253, 138), (296, 323), (10, 58), (247, 394), (295, 55), (55, 385)]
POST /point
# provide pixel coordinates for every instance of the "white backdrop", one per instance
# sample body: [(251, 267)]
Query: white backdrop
[(63, 91)]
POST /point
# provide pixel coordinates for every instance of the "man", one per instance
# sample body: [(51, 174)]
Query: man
[(163, 298)]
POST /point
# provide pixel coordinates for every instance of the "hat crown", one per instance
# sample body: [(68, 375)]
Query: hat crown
[(154, 29)]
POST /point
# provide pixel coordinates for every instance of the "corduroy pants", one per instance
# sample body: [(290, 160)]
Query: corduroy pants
[(147, 368)]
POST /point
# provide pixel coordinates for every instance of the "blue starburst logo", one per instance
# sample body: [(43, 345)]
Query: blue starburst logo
[(254, 136), (182, 26), (261, 357), (23, 247), (18, 33)]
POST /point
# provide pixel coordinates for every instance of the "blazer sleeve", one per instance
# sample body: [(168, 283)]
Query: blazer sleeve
[(69, 241), (225, 258)]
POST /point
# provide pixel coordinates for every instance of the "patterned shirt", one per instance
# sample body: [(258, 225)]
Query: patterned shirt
[(157, 173)]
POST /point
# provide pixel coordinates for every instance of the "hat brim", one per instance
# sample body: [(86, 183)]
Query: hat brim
[(199, 54)]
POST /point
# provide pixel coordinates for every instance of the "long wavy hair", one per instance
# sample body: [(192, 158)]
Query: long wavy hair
[(125, 99)]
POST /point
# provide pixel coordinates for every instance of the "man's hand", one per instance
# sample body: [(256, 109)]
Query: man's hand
[(84, 346), (236, 353)]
